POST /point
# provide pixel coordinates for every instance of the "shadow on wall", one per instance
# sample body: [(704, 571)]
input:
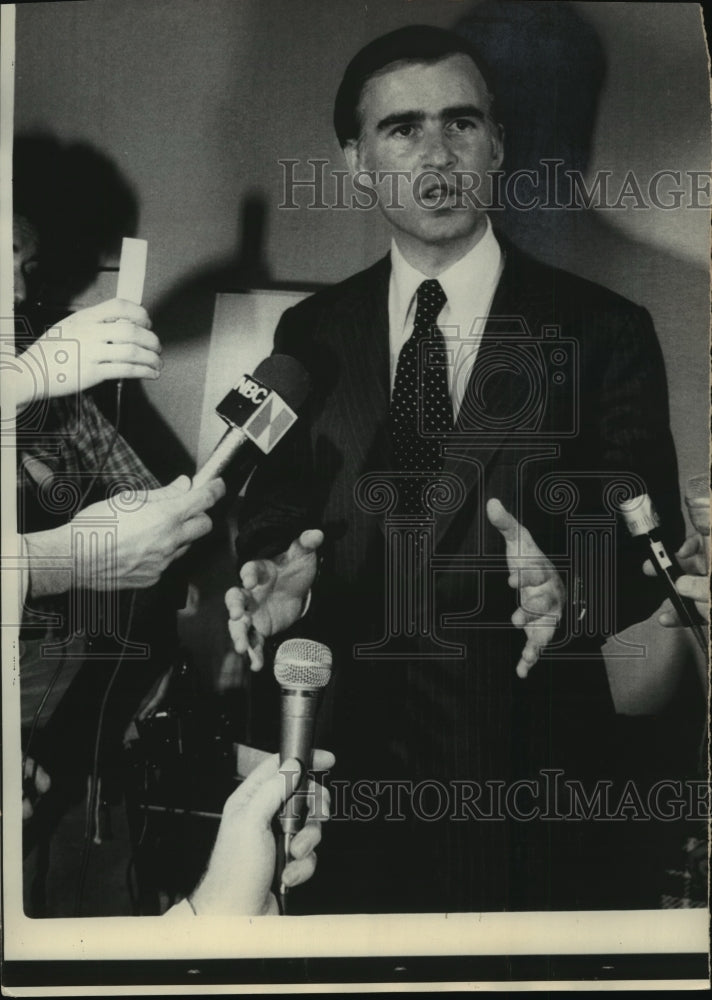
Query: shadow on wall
[(185, 315), (82, 207), (186, 311), (549, 68)]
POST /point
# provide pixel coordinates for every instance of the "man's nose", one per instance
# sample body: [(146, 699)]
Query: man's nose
[(437, 152)]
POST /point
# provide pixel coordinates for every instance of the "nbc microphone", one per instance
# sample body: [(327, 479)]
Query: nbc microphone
[(643, 522), (259, 410), (302, 668)]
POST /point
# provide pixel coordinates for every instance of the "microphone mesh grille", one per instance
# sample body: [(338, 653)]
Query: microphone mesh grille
[(303, 663)]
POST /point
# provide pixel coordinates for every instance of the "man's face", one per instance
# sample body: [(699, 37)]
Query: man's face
[(430, 120), (25, 252)]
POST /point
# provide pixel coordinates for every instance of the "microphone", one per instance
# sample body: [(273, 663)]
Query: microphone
[(302, 668), (259, 410), (643, 522)]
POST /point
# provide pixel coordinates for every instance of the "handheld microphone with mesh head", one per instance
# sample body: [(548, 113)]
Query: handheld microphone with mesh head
[(302, 668)]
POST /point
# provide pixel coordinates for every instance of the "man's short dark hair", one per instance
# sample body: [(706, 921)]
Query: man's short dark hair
[(414, 43)]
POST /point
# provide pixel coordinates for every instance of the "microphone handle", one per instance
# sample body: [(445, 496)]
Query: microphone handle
[(296, 740), (222, 454)]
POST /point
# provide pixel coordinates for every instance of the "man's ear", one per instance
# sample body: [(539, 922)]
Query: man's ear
[(497, 144), (352, 155)]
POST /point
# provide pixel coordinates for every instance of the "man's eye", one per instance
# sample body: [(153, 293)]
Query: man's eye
[(403, 131), (462, 125)]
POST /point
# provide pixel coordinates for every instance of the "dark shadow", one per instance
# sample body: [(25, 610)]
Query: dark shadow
[(81, 207), (186, 311), (548, 67)]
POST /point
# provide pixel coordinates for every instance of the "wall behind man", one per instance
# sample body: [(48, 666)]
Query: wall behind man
[(198, 102)]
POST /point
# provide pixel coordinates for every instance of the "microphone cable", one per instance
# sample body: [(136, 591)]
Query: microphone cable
[(109, 450), (55, 676), (93, 780)]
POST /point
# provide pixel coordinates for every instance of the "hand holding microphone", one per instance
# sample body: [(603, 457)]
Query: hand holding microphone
[(302, 669), (692, 558), (643, 523), (242, 864), (259, 410)]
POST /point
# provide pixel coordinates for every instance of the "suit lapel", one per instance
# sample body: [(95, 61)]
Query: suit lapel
[(365, 386), (498, 398), (499, 393)]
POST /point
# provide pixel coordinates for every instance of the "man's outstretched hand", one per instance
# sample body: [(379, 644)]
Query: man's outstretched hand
[(541, 592), (273, 595)]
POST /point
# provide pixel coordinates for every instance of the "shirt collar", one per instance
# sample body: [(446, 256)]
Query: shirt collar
[(483, 259)]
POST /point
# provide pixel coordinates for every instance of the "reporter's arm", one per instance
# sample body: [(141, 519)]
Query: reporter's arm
[(144, 541)]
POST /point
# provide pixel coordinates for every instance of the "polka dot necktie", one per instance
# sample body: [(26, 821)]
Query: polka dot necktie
[(421, 409)]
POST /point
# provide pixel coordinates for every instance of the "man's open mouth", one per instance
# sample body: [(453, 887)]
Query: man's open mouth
[(435, 194)]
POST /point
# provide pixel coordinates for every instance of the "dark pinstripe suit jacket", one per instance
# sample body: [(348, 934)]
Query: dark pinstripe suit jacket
[(565, 412)]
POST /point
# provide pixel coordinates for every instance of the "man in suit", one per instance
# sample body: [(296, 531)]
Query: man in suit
[(432, 439)]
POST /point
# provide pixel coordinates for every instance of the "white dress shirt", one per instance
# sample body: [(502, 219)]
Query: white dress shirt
[(469, 285)]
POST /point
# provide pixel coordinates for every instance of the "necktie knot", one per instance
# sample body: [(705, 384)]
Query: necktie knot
[(431, 299)]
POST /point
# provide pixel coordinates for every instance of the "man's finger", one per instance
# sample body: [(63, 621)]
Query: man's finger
[(255, 573), (255, 650), (500, 518), (697, 588), (540, 600), (308, 541), (202, 498), (530, 655), (266, 798), (306, 840), (297, 872), (322, 760), (124, 369), (128, 353), (264, 772), (529, 575), (239, 630), (126, 333), (690, 547), (115, 309), (235, 603), (249, 758), (648, 568), (177, 488)]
